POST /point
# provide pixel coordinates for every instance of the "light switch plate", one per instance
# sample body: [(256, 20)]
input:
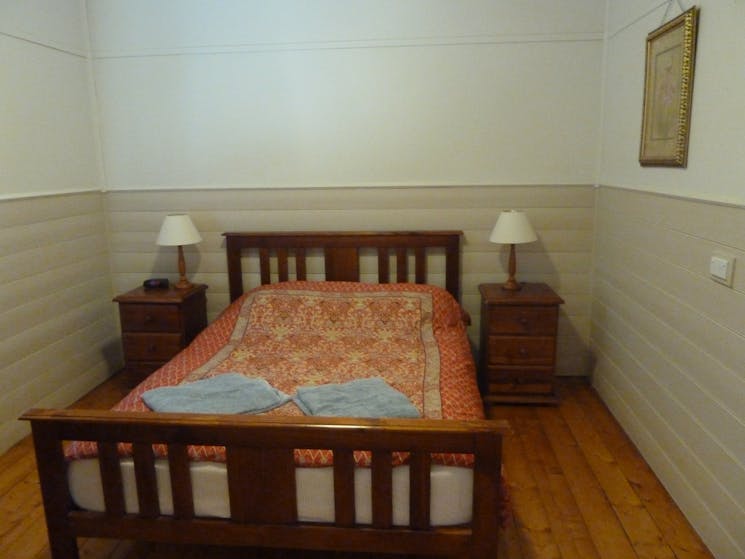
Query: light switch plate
[(721, 268)]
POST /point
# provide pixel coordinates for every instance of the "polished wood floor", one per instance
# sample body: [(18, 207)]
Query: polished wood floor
[(579, 488)]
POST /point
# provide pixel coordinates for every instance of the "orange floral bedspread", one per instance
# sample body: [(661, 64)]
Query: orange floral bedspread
[(308, 333)]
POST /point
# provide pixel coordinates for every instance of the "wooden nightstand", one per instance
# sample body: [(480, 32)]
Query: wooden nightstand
[(518, 344), (157, 324)]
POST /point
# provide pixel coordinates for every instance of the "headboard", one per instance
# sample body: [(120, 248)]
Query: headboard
[(341, 253)]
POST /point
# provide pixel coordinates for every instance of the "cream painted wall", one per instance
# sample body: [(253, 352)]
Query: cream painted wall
[(47, 140), (716, 156), (667, 339), (58, 334), (366, 93)]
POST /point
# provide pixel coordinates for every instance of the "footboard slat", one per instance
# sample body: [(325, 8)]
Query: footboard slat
[(382, 489), (261, 485), (181, 490), (419, 493), (344, 487), (237, 461), (279, 493), (111, 478), (147, 485)]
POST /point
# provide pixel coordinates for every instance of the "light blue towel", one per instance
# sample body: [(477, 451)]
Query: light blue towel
[(226, 393), (371, 397)]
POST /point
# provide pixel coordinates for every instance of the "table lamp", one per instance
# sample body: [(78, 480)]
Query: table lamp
[(178, 230), (512, 228)]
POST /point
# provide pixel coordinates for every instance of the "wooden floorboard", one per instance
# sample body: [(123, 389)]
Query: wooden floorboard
[(579, 490)]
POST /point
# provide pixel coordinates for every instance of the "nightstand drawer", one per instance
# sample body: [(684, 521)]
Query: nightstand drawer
[(520, 381), (521, 350), (532, 321), (151, 347), (137, 371), (150, 318)]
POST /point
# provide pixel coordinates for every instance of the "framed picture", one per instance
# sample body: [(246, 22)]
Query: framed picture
[(668, 85)]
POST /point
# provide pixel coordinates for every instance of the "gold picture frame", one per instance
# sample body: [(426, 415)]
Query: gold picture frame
[(668, 86)]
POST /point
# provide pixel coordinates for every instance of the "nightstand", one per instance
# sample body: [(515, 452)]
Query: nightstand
[(157, 324), (518, 344)]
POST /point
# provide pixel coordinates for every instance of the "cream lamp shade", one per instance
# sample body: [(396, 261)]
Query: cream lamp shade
[(178, 230), (512, 228)]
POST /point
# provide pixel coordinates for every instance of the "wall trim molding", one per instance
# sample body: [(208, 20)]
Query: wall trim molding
[(48, 194), (676, 196), (205, 188), (59, 47), (466, 40)]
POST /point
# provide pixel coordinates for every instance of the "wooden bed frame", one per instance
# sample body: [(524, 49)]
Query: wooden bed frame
[(259, 449)]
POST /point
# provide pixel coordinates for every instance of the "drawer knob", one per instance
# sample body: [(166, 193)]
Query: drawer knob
[(523, 352), (523, 320), (152, 347), (148, 318)]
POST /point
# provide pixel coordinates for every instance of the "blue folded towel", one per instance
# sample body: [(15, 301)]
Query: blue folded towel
[(225, 393), (370, 397)]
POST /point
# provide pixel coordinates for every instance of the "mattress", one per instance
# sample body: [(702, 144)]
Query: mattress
[(450, 503)]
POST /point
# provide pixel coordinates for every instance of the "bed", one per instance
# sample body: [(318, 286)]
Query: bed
[(383, 474)]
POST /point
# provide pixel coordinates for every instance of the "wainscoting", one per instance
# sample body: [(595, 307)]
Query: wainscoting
[(562, 216), (58, 334), (670, 349)]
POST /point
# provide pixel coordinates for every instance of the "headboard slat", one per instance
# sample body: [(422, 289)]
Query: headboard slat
[(342, 253), (420, 265), (282, 264), (402, 265), (264, 265), (384, 273), (300, 264)]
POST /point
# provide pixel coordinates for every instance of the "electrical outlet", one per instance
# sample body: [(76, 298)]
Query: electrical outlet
[(721, 268)]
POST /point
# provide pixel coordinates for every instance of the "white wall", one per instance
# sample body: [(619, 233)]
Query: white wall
[(46, 135), (716, 155), (337, 93), (669, 342)]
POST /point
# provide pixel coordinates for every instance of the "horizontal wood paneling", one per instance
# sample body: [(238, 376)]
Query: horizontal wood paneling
[(562, 216), (58, 334), (670, 348)]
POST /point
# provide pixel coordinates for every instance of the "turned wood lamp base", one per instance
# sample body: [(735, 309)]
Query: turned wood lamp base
[(511, 283)]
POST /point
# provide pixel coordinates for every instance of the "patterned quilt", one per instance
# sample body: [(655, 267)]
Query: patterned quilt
[(309, 333)]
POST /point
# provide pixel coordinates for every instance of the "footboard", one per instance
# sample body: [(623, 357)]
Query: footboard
[(261, 481)]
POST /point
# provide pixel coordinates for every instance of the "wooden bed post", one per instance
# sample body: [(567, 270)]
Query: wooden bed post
[(487, 473), (52, 469)]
